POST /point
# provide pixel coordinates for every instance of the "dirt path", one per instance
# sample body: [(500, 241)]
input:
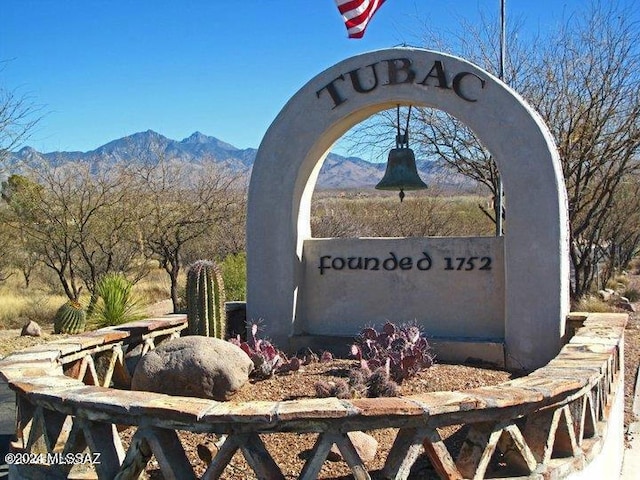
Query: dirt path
[(631, 355)]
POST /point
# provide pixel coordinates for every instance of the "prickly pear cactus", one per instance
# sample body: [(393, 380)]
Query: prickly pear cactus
[(70, 318), (205, 300)]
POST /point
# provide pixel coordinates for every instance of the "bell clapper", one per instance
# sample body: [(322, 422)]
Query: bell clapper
[(401, 195)]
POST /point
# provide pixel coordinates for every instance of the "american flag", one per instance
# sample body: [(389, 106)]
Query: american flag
[(357, 14)]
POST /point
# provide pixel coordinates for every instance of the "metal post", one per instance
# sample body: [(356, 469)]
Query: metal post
[(503, 54)]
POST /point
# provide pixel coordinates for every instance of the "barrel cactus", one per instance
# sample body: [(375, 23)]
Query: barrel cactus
[(205, 300), (70, 318)]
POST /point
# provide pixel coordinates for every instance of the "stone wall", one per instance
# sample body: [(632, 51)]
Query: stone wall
[(552, 423), (451, 287)]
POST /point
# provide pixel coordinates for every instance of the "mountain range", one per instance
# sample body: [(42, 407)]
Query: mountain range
[(337, 171)]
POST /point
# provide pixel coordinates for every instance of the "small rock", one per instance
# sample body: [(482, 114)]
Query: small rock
[(365, 445), (31, 329), (626, 306), (206, 452), (193, 366)]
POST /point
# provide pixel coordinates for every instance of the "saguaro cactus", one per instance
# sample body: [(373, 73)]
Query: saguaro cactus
[(70, 318), (205, 300)]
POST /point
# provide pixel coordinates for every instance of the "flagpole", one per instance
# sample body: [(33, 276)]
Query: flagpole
[(503, 54), (503, 38)]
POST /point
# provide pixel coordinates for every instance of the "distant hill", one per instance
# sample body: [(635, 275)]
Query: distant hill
[(149, 146)]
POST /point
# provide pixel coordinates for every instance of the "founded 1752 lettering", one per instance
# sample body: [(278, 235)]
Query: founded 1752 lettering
[(396, 262), (398, 71)]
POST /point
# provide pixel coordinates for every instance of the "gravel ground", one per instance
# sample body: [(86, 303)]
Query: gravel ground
[(631, 356), (290, 450)]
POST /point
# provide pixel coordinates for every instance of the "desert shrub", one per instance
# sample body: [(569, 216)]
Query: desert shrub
[(374, 215), (40, 306), (116, 302), (19, 305), (234, 274), (618, 282), (267, 358), (401, 351), (12, 311), (590, 303), (632, 294), (634, 266)]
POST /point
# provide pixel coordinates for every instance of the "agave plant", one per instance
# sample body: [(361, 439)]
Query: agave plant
[(116, 303)]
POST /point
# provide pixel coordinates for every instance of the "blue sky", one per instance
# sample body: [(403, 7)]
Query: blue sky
[(103, 69)]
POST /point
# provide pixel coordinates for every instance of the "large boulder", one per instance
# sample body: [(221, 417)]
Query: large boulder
[(193, 366)]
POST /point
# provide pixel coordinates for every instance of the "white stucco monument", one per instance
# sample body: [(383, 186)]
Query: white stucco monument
[(499, 299)]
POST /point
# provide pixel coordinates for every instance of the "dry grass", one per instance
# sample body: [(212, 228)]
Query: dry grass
[(619, 282), (19, 305), (593, 304), (154, 287)]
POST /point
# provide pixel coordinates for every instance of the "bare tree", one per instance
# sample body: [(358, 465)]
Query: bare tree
[(6, 253), (584, 80), (588, 90), (180, 204), (455, 146), (48, 226), (15, 254), (18, 116), (75, 221), (622, 229)]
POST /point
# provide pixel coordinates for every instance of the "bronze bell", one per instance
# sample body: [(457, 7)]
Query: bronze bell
[(401, 173)]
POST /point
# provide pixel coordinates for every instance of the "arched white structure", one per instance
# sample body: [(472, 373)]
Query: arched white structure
[(535, 249)]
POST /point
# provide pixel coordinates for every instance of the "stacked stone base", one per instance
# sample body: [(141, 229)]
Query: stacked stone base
[(561, 421)]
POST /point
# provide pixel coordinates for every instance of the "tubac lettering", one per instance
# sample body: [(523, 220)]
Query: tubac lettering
[(398, 71), (457, 85), (357, 83), (437, 73)]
